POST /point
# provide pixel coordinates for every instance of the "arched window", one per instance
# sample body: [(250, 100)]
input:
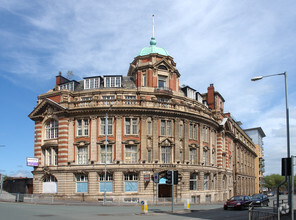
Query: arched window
[(224, 182), (50, 184), (51, 129), (49, 178), (162, 67)]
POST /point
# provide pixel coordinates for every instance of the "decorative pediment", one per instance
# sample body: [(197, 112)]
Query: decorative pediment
[(193, 146), (101, 142), (166, 143), (81, 143), (206, 148), (50, 143), (80, 172), (46, 107), (131, 142), (169, 66)]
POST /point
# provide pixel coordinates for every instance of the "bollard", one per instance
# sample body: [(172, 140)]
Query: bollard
[(186, 204), (144, 206)]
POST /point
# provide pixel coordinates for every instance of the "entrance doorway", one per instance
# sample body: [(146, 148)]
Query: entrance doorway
[(164, 190)]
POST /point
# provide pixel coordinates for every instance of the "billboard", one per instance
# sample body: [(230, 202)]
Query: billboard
[(32, 162)]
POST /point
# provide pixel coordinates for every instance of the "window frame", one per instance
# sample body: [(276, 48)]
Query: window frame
[(103, 126), (109, 154), (81, 181), (82, 155), (51, 129), (166, 127), (109, 182), (193, 181), (131, 126), (131, 179), (131, 153), (82, 127), (166, 154)]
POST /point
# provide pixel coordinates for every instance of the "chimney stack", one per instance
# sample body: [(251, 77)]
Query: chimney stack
[(60, 79), (211, 96)]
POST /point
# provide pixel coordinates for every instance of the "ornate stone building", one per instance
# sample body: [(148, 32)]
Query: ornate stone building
[(153, 125)]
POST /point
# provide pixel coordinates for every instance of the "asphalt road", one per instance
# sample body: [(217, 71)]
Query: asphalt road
[(23, 211)]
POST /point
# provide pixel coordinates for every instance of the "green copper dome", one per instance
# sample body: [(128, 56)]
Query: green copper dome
[(153, 49)]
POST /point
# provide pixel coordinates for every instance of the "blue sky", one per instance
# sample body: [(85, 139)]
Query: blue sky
[(222, 42)]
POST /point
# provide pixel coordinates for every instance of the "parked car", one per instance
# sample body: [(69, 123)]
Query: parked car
[(238, 202), (260, 200), (270, 194)]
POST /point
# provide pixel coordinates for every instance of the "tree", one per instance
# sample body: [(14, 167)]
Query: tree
[(273, 180)]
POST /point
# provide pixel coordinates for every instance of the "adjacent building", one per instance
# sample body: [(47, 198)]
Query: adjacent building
[(257, 135), (149, 124)]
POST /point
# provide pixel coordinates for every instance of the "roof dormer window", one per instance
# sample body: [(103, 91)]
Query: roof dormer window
[(112, 81), (92, 83), (67, 86)]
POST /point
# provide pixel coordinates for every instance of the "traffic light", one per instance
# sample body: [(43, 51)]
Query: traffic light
[(169, 176), (286, 166), (176, 177)]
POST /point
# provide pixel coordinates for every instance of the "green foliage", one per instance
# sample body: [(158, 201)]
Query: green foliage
[(273, 180)]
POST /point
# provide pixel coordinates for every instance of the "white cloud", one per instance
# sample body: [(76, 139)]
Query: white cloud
[(221, 42)]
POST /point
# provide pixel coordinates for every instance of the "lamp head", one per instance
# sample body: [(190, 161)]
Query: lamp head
[(257, 78)]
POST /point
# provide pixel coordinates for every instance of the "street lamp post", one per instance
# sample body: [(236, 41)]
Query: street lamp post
[(288, 128)]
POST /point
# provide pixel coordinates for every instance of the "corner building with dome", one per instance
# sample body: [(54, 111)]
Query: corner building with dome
[(149, 124)]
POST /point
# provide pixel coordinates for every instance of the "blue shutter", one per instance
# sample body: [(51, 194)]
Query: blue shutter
[(82, 187), (109, 186), (131, 186)]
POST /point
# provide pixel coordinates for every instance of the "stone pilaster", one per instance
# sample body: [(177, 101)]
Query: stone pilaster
[(118, 141), (71, 141), (143, 135), (63, 141), (186, 139), (93, 140), (155, 121), (118, 182)]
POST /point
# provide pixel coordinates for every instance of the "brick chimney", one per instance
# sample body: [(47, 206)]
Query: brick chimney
[(211, 97), (60, 79)]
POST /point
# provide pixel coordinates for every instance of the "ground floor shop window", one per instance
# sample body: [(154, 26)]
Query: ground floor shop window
[(131, 182), (81, 183), (109, 182), (50, 184)]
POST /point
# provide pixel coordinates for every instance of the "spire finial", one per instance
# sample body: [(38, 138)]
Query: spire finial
[(153, 26), (152, 41)]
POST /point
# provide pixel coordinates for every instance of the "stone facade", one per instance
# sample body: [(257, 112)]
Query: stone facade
[(153, 126)]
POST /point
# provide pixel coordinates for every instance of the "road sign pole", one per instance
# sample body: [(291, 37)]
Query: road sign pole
[(1, 180), (172, 191)]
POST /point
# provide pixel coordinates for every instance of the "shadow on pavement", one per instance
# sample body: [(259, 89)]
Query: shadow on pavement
[(213, 214)]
